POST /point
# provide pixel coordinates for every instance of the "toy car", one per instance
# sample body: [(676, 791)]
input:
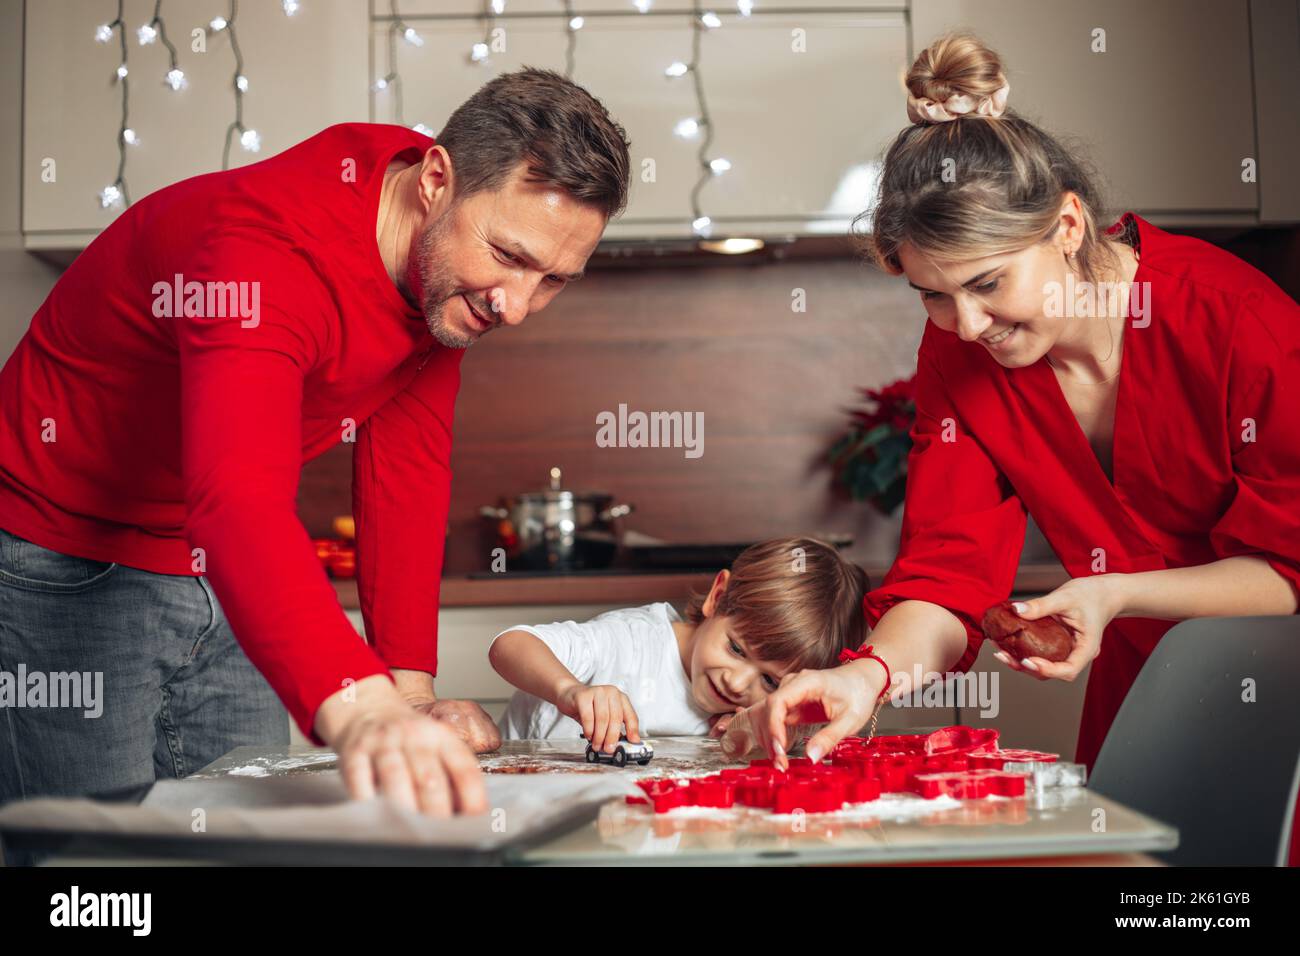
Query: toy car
[(642, 753)]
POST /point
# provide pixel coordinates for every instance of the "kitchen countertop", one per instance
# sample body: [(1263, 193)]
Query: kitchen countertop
[(1052, 827), (629, 588)]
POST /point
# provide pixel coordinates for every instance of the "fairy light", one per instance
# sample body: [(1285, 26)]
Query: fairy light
[(745, 7), (481, 50), (290, 7), (115, 195), (249, 139), (643, 6), (701, 224), (572, 25), (156, 31), (391, 81)]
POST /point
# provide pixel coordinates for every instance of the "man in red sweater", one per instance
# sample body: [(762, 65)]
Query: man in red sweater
[(154, 419)]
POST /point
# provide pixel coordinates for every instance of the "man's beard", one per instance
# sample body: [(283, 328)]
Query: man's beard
[(436, 285)]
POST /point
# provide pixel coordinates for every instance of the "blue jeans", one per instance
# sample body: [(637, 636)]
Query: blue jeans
[(142, 677)]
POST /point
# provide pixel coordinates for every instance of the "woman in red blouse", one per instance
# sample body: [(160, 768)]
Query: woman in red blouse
[(1133, 390)]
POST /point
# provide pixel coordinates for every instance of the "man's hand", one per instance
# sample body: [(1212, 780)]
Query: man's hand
[(387, 747), (465, 718), (469, 721)]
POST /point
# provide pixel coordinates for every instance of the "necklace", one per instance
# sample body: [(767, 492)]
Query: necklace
[(1075, 378), (1111, 332)]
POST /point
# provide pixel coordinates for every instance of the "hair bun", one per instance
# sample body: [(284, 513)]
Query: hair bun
[(954, 76)]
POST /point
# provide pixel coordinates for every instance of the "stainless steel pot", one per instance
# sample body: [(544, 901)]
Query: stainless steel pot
[(558, 530)]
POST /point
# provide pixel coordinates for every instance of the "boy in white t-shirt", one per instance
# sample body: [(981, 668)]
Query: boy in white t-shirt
[(786, 605)]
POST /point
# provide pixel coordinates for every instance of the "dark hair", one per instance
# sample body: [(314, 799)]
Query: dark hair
[(792, 599), (564, 134)]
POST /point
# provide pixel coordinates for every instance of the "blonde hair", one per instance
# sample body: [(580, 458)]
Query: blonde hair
[(792, 599), (1011, 176)]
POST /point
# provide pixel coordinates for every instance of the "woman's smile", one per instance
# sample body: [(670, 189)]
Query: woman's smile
[(1000, 339)]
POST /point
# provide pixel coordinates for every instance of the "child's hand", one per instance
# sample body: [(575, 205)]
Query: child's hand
[(603, 710)]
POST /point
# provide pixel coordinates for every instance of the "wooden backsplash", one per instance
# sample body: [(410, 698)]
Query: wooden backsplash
[(772, 383)]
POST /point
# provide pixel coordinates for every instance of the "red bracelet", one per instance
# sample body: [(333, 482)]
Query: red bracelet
[(865, 651)]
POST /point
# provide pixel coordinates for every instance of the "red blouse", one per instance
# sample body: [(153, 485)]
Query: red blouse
[(1217, 349)]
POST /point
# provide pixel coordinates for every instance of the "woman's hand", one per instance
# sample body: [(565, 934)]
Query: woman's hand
[(603, 710), (720, 722), (1085, 606), (845, 696)]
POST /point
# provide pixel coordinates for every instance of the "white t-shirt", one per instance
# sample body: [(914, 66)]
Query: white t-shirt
[(635, 650)]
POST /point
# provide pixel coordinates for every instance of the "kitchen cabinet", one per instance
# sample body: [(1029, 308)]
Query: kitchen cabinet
[(305, 72), (1165, 112), (801, 122), (805, 95)]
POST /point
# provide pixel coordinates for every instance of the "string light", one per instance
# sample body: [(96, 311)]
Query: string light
[(746, 7), (249, 139), (154, 31), (115, 195), (573, 25), (481, 51), (642, 6), (688, 128), (392, 79), (290, 7), (701, 224)]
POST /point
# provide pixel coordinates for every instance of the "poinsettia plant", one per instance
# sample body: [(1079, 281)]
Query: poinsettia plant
[(870, 458)]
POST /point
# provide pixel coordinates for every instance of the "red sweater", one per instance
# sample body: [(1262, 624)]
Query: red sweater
[(183, 425)]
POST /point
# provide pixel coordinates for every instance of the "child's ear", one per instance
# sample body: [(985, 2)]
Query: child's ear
[(716, 591)]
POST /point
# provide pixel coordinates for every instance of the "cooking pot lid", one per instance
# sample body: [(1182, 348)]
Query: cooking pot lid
[(557, 493)]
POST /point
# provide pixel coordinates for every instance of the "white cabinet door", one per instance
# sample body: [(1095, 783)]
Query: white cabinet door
[(305, 72), (802, 105), (1165, 112)]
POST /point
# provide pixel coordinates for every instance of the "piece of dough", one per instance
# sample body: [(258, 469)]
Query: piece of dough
[(1047, 637)]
